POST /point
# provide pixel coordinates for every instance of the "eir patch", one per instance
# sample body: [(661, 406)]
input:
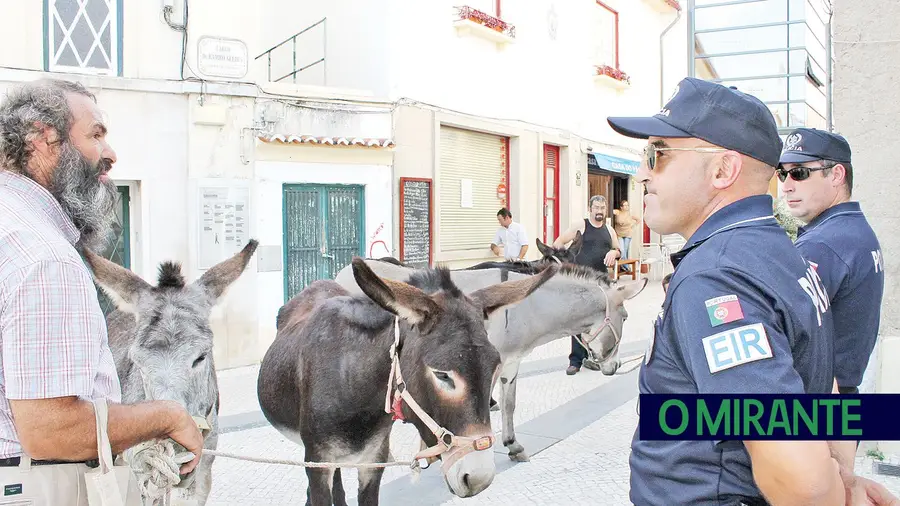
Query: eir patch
[(725, 309)]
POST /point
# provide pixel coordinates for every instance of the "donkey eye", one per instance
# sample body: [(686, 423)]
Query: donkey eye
[(445, 378), (200, 359)]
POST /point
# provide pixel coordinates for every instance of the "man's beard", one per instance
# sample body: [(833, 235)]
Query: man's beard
[(599, 217), (88, 201)]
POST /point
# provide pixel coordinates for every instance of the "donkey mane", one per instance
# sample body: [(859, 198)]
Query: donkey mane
[(569, 270), (586, 273), (170, 275), (434, 280)]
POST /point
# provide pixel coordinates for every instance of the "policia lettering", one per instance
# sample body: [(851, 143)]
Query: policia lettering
[(812, 285)]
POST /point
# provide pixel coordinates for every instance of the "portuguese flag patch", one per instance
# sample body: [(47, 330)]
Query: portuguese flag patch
[(725, 309)]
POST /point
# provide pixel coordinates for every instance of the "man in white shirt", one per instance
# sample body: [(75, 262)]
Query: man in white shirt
[(511, 235)]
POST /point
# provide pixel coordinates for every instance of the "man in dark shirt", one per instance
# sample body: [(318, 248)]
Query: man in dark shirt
[(599, 250)]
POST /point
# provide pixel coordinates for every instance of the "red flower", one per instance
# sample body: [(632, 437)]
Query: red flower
[(466, 12), (606, 70)]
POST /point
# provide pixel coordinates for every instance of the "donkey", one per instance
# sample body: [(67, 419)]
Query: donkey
[(548, 252), (579, 300), (328, 379), (162, 343)]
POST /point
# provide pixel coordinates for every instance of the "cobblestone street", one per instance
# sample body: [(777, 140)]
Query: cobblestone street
[(576, 429)]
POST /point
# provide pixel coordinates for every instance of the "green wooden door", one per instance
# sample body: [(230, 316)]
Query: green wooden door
[(118, 244), (323, 231)]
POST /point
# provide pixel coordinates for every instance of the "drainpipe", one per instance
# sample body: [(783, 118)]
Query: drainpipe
[(829, 97), (661, 61)]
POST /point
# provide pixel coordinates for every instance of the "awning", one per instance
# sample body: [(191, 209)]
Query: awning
[(612, 163)]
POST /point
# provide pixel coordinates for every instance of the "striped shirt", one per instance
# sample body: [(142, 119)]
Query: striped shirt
[(53, 340)]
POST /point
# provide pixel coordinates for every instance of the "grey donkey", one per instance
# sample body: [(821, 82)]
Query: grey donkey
[(163, 344)]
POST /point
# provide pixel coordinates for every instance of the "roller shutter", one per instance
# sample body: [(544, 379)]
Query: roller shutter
[(484, 159)]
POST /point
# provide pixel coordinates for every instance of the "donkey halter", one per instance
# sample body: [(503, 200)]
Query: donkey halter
[(607, 322), (458, 446)]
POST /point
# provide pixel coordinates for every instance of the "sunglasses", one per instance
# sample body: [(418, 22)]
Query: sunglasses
[(798, 173), (651, 150)]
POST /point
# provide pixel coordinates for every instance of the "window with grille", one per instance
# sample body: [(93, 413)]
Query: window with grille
[(83, 36)]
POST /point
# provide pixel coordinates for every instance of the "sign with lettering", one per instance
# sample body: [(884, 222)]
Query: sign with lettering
[(416, 221), (218, 57), (224, 223)]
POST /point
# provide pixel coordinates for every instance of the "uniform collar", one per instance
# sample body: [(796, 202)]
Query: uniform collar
[(748, 212), (38, 196), (842, 208)]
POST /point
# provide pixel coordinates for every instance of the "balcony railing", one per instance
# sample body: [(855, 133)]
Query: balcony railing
[(293, 40), (482, 18)]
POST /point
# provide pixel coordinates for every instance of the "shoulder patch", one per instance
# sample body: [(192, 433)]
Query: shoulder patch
[(736, 346), (725, 309)]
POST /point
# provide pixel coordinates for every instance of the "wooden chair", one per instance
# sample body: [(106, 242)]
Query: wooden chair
[(635, 268)]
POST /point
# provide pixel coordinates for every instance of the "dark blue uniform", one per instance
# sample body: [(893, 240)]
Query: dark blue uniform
[(847, 256), (737, 318)]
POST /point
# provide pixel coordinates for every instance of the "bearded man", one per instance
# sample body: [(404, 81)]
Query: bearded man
[(55, 361)]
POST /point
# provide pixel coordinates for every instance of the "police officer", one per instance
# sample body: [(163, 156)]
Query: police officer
[(710, 156), (817, 180)]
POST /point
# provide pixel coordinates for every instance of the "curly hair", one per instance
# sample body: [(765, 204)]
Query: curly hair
[(28, 109)]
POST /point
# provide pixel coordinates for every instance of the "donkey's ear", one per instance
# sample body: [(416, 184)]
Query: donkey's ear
[(218, 278), (405, 301), (625, 291), (123, 286), (575, 247), (543, 248), (497, 296)]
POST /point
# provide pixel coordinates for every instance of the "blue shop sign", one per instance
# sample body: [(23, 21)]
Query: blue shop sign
[(612, 163)]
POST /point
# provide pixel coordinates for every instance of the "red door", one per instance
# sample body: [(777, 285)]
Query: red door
[(551, 193)]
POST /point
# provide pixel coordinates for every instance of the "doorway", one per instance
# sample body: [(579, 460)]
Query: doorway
[(613, 186), (323, 231)]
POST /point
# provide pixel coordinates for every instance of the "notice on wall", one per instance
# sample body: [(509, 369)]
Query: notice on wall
[(466, 194), (224, 223), (415, 222)]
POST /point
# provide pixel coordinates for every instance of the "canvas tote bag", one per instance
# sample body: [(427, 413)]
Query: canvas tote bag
[(109, 484)]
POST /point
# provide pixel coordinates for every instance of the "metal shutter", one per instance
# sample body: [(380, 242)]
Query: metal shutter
[(483, 158)]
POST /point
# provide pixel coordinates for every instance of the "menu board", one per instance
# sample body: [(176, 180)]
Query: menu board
[(415, 222), (224, 223)]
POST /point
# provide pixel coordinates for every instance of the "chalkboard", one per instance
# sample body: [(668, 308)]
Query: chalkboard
[(415, 222)]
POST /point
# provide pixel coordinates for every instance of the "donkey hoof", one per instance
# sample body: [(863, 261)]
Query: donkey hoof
[(519, 457), (610, 368), (591, 364), (515, 448)]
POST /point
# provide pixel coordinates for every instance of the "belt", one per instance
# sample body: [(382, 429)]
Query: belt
[(14, 462)]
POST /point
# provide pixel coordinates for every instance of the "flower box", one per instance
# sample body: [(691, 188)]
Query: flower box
[(664, 5), (612, 77), (475, 22)]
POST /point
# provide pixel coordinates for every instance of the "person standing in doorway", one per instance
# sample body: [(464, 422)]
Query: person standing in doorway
[(624, 226), (599, 250), (511, 235)]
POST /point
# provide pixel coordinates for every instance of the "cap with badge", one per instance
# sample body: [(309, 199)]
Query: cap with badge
[(811, 144), (720, 115)]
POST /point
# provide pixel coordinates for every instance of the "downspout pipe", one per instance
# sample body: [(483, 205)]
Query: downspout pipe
[(662, 60)]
